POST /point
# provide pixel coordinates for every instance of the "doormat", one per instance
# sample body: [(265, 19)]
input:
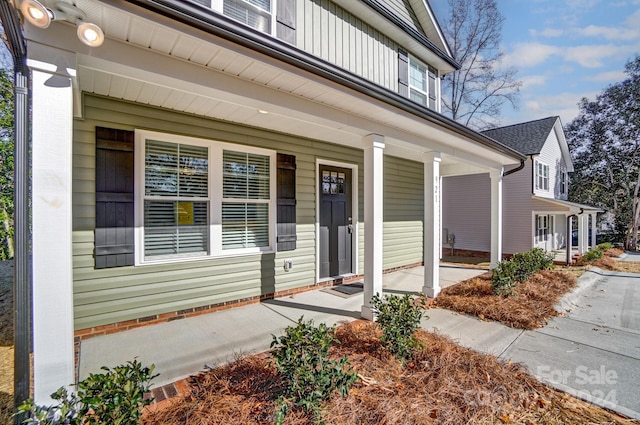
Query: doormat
[(346, 290)]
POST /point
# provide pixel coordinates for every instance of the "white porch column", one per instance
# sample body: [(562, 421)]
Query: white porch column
[(583, 233), (373, 210), (52, 128), (594, 221), (432, 229), (496, 216)]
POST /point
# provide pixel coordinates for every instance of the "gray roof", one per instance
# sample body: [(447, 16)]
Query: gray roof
[(527, 137)]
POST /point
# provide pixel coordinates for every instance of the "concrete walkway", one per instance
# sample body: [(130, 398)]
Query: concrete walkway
[(184, 347)]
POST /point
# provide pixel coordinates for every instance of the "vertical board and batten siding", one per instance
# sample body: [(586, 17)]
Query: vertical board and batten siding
[(466, 211), (402, 9), (551, 154), (351, 43), (403, 212), (109, 295)]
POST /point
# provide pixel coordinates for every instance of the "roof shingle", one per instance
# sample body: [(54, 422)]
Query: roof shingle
[(527, 137)]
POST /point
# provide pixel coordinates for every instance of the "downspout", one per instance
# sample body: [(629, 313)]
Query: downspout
[(21, 261)]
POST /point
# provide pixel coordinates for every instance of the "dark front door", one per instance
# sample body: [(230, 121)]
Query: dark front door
[(336, 228)]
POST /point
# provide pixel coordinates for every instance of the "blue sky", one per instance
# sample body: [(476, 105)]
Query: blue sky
[(564, 50)]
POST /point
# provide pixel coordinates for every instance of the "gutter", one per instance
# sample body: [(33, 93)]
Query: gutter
[(22, 285), (515, 170), (221, 26)]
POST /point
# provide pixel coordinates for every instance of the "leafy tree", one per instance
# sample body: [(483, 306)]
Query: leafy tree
[(605, 144), (6, 164), (475, 94)]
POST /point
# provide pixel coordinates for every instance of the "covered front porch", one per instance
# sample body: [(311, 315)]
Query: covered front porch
[(184, 347)]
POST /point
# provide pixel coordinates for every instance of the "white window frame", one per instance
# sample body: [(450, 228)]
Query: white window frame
[(216, 149), (544, 179), (542, 228), (413, 59), (564, 182), (218, 6)]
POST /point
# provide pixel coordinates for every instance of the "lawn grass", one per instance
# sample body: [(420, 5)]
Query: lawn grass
[(445, 384)]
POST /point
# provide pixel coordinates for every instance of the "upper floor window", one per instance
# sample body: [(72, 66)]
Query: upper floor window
[(423, 84), (542, 176), (564, 183), (257, 14)]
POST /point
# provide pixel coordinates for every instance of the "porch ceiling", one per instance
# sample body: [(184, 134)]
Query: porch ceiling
[(155, 61)]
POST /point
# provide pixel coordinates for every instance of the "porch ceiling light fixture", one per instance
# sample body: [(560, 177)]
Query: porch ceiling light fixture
[(41, 16)]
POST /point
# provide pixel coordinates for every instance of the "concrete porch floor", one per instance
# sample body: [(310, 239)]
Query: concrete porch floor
[(184, 347)]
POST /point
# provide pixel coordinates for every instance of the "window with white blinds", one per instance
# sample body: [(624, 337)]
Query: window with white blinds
[(255, 13), (246, 196), (200, 198), (176, 199)]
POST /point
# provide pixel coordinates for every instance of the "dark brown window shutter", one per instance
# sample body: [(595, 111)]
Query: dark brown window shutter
[(114, 233), (286, 21), (286, 181), (403, 73)]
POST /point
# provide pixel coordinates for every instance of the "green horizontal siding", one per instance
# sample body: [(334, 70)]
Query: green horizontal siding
[(403, 212), (111, 295), (117, 294)]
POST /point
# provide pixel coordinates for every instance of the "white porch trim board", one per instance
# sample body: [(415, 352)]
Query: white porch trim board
[(583, 233), (52, 133), (594, 222), (496, 217), (432, 228), (373, 220)]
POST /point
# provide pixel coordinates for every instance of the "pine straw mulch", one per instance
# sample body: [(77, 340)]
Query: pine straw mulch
[(445, 384), (530, 308), (609, 262), (6, 351)]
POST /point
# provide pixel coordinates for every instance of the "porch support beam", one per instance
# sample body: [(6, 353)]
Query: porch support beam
[(52, 129), (496, 217), (594, 220), (583, 233), (373, 222), (432, 229)]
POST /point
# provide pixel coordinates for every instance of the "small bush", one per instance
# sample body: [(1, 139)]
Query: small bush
[(604, 246), (399, 318), (113, 397), (310, 377), (519, 268), (592, 255)]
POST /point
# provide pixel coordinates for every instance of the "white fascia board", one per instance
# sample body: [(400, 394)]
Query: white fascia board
[(564, 146)]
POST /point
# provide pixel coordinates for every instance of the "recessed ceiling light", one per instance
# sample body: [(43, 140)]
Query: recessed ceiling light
[(262, 111)]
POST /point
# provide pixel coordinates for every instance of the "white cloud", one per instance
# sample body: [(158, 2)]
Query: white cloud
[(547, 32), (608, 33), (595, 56), (527, 55), (532, 81), (563, 104), (607, 77)]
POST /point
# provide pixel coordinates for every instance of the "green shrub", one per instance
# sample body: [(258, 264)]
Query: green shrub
[(399, 318), (114, 397), (605, 246), (519, 268), (592, 255), (309, 376)]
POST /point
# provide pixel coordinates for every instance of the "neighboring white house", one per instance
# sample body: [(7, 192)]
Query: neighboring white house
[(535, 205)]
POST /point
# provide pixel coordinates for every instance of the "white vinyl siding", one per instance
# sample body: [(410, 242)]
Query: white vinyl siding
[(466, 211), (202, 198), (551, 154)]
